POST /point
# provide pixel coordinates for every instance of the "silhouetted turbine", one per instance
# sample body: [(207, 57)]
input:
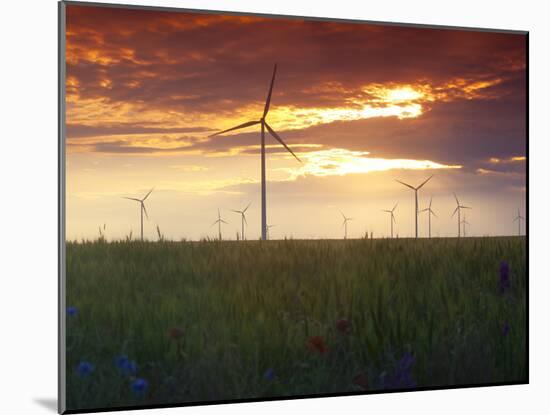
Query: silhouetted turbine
[(263, 123), (219, 222), (243, 218), (519, 218), (345, 225), (392, 218), (416, 189), (458, 209), (140, 201), (430, 213)]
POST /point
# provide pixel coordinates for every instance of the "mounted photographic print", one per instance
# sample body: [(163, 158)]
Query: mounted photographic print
[(259, 207)]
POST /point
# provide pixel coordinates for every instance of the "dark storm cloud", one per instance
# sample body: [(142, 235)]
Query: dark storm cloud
[(197, 63)]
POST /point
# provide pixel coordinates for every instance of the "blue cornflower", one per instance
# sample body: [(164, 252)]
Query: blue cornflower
[(401, 377), (72, 311), (504, 282), (139, 386), (126, 366), (84, 368), (269, 374)]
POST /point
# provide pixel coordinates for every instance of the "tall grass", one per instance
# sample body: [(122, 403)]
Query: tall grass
[(249, 306)]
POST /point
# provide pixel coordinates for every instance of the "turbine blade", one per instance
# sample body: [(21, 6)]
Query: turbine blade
[(389, 211), (214, 223), (456, 198), (393, 218), (433, 213), (424, 182), (236, 211), (247, 206), (405, 184), (465, 207), (244, 217), (224, 221), (144, 210), (431, 198), (268, 100), (274, 134), (395, 207), (424, 210), (132, 198), (147, 195), (244, 125), (456, 209)]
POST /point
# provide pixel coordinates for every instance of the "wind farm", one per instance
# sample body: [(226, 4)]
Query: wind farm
[(334, 219)]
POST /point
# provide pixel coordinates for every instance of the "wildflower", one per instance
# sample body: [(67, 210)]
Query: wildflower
[(139, 386), (175, 334), (362, 381), (506, 329), (343, 326), (401, 377), (504, 277), (317, 344), (126, 366), (269, 374), (72, 311), (84, 368)]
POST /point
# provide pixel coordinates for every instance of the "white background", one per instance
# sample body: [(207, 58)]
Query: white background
[(28, 204)]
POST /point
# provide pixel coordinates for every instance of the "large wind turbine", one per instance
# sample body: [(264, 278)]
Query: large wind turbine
[(243, 218), (345, 225), (219, 222), (458, 209), (392, 218), (142, 208), (430, 213), (519, 218), (416, 189), (263, 123)]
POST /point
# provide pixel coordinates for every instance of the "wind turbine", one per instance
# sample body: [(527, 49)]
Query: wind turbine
[(264, 125), (345, 224), (464, 223), (430, 213), (519, 219), (243, 218), (458, 208), (392, 218), (219, 222), (416, 189), (142, 208), (268, 228)]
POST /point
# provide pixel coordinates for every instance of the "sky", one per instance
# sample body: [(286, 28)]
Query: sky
[(361, 105)]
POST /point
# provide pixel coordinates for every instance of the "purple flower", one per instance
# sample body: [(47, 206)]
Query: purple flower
[(84, 368), (269, 374), (401, 376), (504, 282), (506, 329), (139, 386), (72, 311)]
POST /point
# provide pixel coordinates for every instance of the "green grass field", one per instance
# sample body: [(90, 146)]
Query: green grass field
[(423, 313)]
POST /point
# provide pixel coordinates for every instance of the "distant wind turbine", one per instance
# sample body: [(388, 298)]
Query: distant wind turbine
[(416, 189), (219, 222), (464, 223), (263, 123), (243, 218), (268, 228), (519, 218), (459, 207), (345, 225), (392, 219), (142, 208), (430, 213)]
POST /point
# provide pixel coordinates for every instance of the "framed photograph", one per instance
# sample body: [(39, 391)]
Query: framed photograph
[(257, 207)]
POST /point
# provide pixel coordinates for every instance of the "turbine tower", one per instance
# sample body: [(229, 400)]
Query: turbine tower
[(519, 218), (416, 189), (264, 125), (458, 208), (142, 208), (430, 213), (392, 219), (243, 218), (219, 222), (345, 225)]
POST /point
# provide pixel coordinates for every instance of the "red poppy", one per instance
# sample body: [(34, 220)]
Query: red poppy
[(343, 326), (362, 381), (174, 333), (317, 344)]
